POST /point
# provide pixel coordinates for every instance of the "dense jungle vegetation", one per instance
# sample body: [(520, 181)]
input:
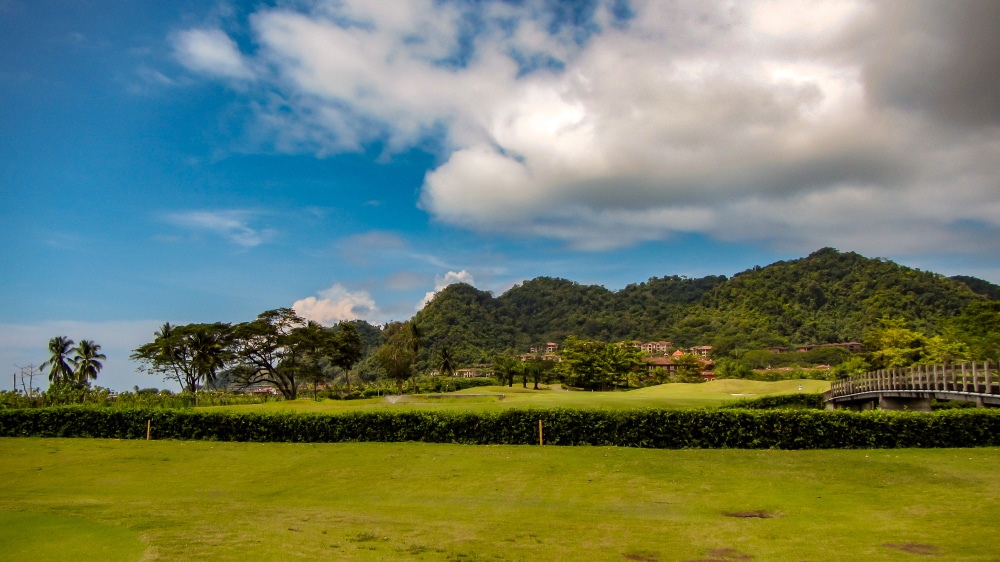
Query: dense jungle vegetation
[(828, 296)]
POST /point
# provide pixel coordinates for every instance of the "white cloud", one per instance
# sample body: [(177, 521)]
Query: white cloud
[(440, 283), (749, 121), (212, 52), (336, 304), (233, 225)]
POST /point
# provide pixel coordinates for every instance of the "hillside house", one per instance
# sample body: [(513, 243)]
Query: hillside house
[(655, 347), (701, 350)]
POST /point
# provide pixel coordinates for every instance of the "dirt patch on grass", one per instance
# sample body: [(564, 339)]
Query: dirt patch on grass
[(915, 548), (756, 514)]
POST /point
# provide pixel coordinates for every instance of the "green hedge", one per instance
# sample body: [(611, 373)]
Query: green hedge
[(787, 401), (708, 428)]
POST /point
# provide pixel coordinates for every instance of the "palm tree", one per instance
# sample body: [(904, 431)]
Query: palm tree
[(87, 362), (209, 352), (59, 361), (506, 367), (445, 363)]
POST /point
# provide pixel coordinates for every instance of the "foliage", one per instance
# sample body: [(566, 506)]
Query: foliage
[(398, 355), (505, 367), (894, 345), (592, 364), (727, 368), (827, 297), (446, 365), (61, 395), (650, 428), (856, 365), (281, 349), (978, 327), (59, 361), (808, 401), (688, 369), (191, 355), (979, 286)]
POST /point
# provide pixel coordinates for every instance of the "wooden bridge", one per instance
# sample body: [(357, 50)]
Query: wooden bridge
[(914, 387)]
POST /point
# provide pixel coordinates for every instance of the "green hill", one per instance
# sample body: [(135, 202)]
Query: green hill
[(826, 297)]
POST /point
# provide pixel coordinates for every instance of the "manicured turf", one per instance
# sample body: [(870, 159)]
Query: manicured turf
[(412, 501), (662, 396)]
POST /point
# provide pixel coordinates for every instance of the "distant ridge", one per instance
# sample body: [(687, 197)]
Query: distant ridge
[(828, 296)]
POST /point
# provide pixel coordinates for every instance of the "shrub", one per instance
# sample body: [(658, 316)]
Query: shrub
[(810, 401), (672, 429)]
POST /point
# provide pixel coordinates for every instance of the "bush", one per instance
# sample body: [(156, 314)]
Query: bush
[(785, 401), (671, 429)]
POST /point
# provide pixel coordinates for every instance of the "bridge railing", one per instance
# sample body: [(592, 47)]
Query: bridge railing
[(971, 378)]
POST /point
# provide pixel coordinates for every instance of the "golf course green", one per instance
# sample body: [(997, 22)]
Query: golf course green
[(674, 395)]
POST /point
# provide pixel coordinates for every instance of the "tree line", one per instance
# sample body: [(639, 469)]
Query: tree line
[(278, 348), (827, 297)]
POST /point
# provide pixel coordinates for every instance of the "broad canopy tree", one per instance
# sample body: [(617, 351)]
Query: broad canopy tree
[(192, 354), (595, 364), (278, 348)]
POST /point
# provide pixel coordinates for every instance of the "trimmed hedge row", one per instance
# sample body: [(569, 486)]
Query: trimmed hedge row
[(801, 400), (667, 429)]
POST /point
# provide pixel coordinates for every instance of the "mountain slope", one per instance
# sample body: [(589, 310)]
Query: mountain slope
[(827, 296)]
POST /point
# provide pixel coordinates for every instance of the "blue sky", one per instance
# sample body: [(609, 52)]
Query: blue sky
[(193, 161)]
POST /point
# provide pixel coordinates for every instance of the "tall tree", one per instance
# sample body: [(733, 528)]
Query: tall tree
[(87, 362), (532, 370), (446, 365), (271, 350), (59, 360), (350, 348), (505, 367), (398, 354)]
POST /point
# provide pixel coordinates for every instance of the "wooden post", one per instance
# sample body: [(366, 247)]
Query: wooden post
[(149, 425), (965, 379), (540, 441), (989, 378)]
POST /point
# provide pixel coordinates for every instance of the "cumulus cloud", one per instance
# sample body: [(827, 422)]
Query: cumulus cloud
[(869, 125), (211, 52), (336, 304), (440, 282), (233, 225)]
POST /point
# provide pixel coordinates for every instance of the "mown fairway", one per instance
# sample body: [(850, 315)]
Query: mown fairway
[(170, 500), (675, 395)]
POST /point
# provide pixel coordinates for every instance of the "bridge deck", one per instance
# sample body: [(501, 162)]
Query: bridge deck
[(971, 382)]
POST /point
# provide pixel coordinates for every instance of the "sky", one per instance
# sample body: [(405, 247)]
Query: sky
[(195, 161)]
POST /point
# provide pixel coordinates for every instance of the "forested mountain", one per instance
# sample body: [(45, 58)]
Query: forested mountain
[(979, 286), (828, 296)]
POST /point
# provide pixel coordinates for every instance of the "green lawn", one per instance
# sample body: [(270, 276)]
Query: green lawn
[(80, 499), (675, 395)]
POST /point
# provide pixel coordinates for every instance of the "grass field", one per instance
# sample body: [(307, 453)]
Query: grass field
[(662, 396), (81, 499)]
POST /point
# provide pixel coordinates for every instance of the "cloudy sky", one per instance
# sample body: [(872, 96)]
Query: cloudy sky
[(190, 161)]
